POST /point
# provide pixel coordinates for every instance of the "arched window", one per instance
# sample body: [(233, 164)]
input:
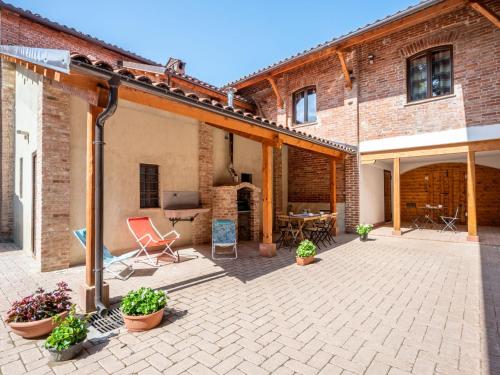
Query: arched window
[(430, 73), (304, 106)]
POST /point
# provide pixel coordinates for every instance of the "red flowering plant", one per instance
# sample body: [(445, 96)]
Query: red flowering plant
[(41, 305)]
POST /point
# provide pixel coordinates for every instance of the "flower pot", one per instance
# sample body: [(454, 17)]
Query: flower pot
[(38, 328), (363, 237), (65, 355), (305, 261), (142, 323)]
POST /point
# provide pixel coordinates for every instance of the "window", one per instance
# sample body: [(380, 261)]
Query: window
[(304, 106), (150, 196), (430, 74)]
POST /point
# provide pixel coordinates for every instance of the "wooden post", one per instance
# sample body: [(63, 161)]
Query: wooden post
[(396, 214), (333, 191), (92, 113), (267, 247), (471, 197)]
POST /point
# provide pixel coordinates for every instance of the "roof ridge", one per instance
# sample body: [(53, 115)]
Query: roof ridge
[(399, 13)]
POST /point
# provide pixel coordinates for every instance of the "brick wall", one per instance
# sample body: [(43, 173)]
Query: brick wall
[(351, 192), (7, 92), (202, 225), (53, 180), (446, 184), (309, 177), (382, 85)]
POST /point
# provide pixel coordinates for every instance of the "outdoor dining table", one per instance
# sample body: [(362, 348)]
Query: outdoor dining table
[(430, 213), (303, 219)]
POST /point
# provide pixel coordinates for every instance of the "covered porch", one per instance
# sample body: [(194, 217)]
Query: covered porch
[(444, 193)]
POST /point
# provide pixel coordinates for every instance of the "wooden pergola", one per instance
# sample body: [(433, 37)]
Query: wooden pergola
[(469, 149), (91, 80)]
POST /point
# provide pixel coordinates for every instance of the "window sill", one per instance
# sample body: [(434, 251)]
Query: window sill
[(150, 208), (304, 125), (423, 101)]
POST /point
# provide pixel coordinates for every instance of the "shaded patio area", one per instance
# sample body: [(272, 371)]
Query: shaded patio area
[(487, 235)]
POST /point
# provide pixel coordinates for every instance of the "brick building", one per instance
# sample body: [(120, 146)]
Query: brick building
[(402, 109)]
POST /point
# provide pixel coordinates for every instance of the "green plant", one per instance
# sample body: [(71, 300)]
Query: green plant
[(306, 249), (364, 229), (70, 331), (143, 301)]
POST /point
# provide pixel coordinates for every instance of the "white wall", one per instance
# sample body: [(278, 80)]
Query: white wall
[(372, 194), (28, 97)]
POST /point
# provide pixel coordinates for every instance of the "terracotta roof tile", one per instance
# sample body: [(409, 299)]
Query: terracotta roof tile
[(83, 60)]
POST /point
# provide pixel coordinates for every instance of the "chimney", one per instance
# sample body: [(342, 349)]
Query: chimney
[(176, 65), (230, 96)]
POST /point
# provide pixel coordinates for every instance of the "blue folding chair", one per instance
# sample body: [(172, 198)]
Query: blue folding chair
[(108, 258), (224, 235)]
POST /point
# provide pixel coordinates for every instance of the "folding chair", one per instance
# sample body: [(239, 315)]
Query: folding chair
[(224, 235), (412, 209), (449, 222), (146, 234), (108, 258)]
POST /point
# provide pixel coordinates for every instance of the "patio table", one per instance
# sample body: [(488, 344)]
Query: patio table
[(430, 213), (303, 219)]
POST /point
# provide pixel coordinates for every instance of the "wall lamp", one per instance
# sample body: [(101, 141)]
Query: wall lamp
[(25, 134), (371, 58)]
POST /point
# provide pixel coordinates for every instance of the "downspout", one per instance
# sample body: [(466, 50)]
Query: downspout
[(110, 109)]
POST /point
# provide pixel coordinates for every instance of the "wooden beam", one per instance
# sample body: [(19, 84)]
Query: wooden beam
[(396, 189), (279, 100), (267, 194), (345, 71), (333, 185), (92, 113), (221, 121), (486, 12), (471, 197), (459, 148)]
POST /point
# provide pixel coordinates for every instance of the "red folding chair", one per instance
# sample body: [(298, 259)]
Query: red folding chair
[(146, 235)]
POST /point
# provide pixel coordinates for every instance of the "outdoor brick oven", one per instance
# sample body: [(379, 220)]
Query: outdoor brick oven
[(239, 202)]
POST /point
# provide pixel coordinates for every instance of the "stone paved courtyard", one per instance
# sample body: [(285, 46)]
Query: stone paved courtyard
[(386, 306)]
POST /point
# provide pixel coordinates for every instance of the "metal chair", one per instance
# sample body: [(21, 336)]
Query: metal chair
[(414, 216), (224, 235), (449, 222), (146, 234)]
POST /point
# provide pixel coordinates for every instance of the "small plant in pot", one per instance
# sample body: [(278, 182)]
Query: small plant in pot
[(66, 340), (142, 309), (32, 316), (305, 253), (363, 230)]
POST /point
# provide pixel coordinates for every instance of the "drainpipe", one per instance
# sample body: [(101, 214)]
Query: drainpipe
[(110, 109)]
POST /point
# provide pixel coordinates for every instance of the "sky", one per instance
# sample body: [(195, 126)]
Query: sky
[(220, 40)]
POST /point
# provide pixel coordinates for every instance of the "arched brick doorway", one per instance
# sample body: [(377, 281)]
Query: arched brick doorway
[(446, 184)]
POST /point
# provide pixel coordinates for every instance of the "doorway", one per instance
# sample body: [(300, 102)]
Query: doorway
[(387, 196)]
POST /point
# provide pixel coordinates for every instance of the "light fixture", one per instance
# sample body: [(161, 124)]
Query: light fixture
[(25, 134), (371, 58)]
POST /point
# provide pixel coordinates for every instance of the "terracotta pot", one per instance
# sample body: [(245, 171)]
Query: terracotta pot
[(66, 355), (143, 322), (29, 330), (305, 261)]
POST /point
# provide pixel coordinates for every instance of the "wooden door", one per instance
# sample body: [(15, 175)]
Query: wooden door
[(387, 196)]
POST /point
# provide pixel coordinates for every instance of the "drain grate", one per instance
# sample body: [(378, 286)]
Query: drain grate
[(108, 323)]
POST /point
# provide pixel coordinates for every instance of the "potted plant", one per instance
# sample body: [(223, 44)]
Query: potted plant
[(32, 316), (305, 253), (66, 340), (363, 230), (142, 309)]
